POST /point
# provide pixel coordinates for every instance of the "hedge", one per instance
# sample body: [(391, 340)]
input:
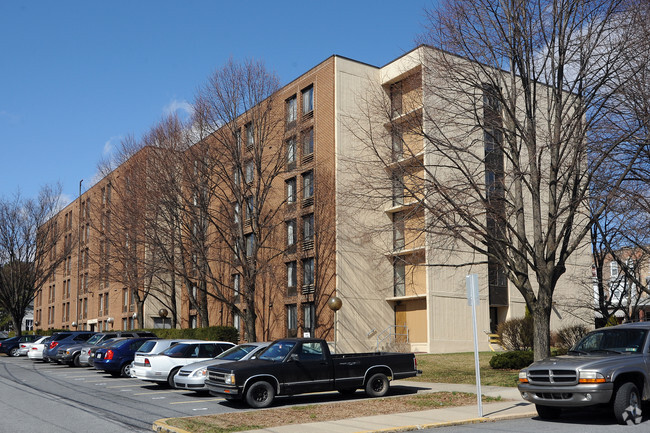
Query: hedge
[(219, 333), (515, 360)]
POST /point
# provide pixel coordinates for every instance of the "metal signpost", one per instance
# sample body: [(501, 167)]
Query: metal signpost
[(473, 301)]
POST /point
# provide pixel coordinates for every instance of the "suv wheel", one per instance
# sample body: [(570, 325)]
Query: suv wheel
[(627, 404), (548, 412)]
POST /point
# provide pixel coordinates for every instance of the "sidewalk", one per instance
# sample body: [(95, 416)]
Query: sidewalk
[(512, 407)]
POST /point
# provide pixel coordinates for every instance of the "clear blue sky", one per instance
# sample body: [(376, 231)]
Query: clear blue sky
[(77, 76)]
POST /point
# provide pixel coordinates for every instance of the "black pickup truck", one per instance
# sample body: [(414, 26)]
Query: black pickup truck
[(296, 366)]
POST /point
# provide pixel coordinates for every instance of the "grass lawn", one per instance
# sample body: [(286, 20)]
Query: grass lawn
[(459, 368)]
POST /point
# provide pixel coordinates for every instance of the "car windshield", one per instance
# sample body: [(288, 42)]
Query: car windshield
[(236, 353), (277, 351), (612, 341), (94, 339)]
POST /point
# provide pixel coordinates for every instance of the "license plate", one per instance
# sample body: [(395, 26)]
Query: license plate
[(98, 356)]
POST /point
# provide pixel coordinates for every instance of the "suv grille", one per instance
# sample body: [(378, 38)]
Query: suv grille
[(541, 377)]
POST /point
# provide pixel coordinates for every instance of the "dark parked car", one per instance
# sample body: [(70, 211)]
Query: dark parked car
[(10, 346), (72, 355), (116, 358), (63, 339)]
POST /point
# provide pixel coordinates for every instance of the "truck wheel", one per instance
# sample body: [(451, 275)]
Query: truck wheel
[(260, 394), (170, 378), (548, 412), (377, 386), (627, 404)]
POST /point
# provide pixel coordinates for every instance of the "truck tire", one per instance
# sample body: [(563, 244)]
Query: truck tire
[(548, 412), (260, 394), (627, 404), (377, 385)]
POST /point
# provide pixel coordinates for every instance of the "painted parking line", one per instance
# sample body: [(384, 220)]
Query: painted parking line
[(160, 392), (195, 402), (125, 386)]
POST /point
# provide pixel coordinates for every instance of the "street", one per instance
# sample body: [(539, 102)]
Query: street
[(59, 399)]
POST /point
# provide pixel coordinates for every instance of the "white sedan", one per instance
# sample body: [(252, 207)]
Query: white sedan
[(35, 350), (163, 366)]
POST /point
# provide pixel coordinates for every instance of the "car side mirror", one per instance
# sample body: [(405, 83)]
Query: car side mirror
[(294, 357)]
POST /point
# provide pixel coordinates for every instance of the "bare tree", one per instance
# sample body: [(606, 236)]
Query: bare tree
[(516, 97), (30, 249), (233, 177)]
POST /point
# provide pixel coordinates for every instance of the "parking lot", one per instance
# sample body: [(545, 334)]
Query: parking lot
[(53, 398)]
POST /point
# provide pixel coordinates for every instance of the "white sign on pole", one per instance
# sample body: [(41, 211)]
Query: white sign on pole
[(473, 301)]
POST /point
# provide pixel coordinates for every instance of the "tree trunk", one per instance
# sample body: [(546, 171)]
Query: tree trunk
[(250, 334), (542, 332), (140, 308), (17, 325)]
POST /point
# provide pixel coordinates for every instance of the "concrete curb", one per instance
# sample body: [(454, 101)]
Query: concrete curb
[(162, 426)]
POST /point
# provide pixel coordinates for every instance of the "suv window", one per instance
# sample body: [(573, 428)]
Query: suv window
[(61, 336)]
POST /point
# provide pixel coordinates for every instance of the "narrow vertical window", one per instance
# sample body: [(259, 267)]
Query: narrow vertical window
[(308, 100), (292, 110)]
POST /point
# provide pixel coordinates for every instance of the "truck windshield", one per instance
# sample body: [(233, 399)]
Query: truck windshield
[(612, 341), (277, 351)]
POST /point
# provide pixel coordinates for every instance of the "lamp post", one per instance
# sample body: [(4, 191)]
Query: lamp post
[(335, 303), (163, 313)]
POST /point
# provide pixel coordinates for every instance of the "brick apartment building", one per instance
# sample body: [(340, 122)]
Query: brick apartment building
[(371, 253)]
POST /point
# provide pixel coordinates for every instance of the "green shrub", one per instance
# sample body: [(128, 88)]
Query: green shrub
[(516, 334), (220, 333), (512, 360)]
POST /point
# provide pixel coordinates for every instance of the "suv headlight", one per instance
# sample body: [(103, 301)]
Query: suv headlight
[(230, 379), (590, 377)]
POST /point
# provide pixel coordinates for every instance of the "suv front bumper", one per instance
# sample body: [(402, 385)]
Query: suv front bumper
[(567, 396)]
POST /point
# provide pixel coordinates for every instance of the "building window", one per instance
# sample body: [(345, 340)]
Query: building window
[(236, 177), (125, 301), (291, 153), (250, 244), (193, 321), (236, 321), (291, 190), (291, 233), (308, 273), (236, 287), (250, 208), (250, 138), (613, 269), (236, 213), (292, 110), (398, 232), (292, 320), (308, 185), (308, 100), (399, 288), (291, 278), (250, 171), (308, 319), (308, 142), (398, 189), (308, 227), (397, 144)]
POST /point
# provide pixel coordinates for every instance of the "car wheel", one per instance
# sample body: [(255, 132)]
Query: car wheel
[(548, 412), (378, 385), (170, 378), (75, 361), (125, 371), (260, 394), (14, 352), (627, 404)]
